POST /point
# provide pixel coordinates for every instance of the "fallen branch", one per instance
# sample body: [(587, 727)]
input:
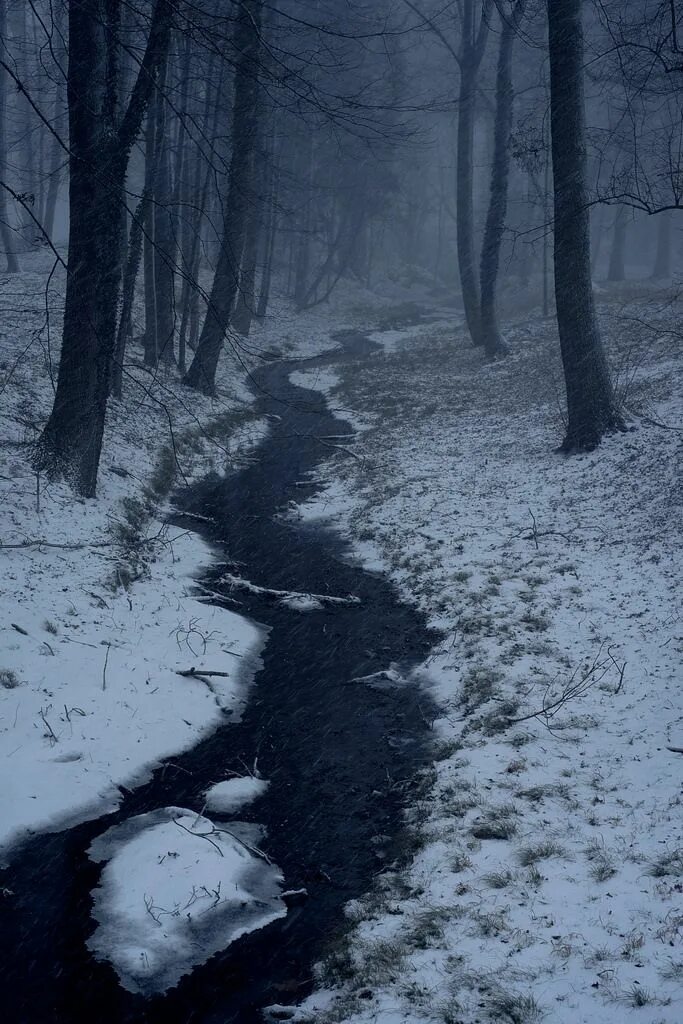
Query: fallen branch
[(247, 846), (199, 835), (576, 686), (252, 588), (81, 545), (199, 672)]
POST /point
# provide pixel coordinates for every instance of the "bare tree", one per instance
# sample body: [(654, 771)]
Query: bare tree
[(100, 143), (202, 372), (8, 239), (500, 172), (591, 407)]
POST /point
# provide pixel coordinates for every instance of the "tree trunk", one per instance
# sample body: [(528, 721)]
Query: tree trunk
[(100, 144), (151, 340), (245, 305), (202, 372), (28, 228), (662, 267), (164, 247), (302, 260), (500, 174), (195, 195), (465, 204), (591, 406), (124, 330), (270, 236), (471, 53), (617, 270), (56, 161), (6, 233)]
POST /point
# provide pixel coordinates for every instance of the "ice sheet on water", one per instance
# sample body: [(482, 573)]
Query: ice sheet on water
[(175, 890)]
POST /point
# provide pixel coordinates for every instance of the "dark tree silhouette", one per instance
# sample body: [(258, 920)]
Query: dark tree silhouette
[(100, 145), (591, 407), (202, 372)]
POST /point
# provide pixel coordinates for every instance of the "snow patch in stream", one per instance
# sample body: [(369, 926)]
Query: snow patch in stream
[(229, 796), (174, 891), (318, 379)]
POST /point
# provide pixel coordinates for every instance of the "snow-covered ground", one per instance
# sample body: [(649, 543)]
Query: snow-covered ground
[(548, 882), (97, 613), (103, 635)]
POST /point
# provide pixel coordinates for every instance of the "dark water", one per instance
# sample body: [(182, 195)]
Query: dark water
[(341, 756)]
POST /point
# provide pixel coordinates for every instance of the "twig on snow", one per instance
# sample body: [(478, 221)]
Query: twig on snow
[(199, 672)]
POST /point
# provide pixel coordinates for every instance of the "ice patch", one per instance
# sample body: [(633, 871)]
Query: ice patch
[(229, 796), (174, 891)]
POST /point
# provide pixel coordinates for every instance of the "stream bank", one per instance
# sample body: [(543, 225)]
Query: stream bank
[(341, 756)]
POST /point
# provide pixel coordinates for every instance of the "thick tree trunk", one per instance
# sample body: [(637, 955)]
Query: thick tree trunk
[(202, 372), (591, 406), (617, 269), (500, 174), (662, 267), (100, 144)]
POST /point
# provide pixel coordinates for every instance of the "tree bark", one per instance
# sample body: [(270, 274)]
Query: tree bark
[(164, 246), (100, 144), (471, 53), (500, 173), (202, 372), (270, 235), (245, 305), (124, 330), (151, 340), (591, 406), (6, 233)]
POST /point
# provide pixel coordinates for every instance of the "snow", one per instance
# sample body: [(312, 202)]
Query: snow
[(233, 794), (176, 889), (548, 878), (97, 610), (319, 379)]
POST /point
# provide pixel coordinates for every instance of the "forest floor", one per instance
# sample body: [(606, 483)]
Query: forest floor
[(98, 607), (548, 860), (549, 874), (97, 612)]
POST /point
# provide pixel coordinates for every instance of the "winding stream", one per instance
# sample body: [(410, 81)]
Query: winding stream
[(341, 756)]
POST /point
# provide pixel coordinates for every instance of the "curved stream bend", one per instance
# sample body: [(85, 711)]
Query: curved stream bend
[(340, 755)]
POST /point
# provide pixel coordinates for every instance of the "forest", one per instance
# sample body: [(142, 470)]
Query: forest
[(340, 476)]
